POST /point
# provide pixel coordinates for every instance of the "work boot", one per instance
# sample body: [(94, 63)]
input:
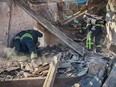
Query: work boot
[(33, 55), (98, 49), (90, 49), (33, 60), (36, 61)]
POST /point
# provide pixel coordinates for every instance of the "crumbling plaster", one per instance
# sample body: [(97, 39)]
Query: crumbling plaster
[(19, 21), (4, 21)]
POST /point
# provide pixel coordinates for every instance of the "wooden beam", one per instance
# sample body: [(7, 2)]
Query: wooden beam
[(51, 28), (76, 15), (50, 1), (49, 81), (111, 80), (100, 8), (80, 13), (39, 81)]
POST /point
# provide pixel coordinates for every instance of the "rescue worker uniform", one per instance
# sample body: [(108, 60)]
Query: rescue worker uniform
[(95, 31), (83, 28), (25, 41), (16, 41)]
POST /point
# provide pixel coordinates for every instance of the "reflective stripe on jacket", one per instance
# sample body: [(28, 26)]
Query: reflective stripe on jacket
[(26, 35)]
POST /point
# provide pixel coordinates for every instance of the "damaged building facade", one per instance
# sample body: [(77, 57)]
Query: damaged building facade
[(63, 62)]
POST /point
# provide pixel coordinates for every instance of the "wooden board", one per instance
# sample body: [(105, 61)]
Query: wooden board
[(111, 80), (38, 82), (76, 15), (49, 81), (51, 28), (50, 1), (83, 11)]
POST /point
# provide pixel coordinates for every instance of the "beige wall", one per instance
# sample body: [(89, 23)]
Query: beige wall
[(49, 38), (20, 20), (4, 21)]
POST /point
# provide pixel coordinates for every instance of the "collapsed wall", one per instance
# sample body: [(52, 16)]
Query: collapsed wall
[(13, 22), (14, 19), (111, 23)]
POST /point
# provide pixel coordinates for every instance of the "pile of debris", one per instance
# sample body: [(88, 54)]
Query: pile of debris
[(91, 65), (16, 68), (19, 70)]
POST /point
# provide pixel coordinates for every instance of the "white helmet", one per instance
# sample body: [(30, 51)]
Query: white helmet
[(85, 17)]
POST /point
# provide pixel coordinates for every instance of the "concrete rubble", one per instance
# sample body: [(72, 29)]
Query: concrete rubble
[(91, 66)]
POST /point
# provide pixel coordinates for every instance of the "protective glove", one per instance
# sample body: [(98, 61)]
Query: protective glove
[(93, 28)]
